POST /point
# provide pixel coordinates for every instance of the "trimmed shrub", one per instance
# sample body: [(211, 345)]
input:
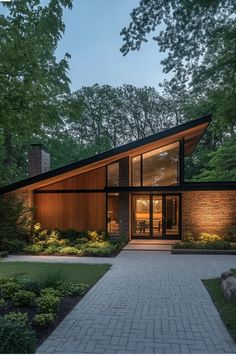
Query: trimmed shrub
[(73, 289), (70, 251), (16, 338), (23, 298), (52, 249), (101, 251), (50, 291), (18, 317), (47, 303), (33, 249), (8, 287), (188, 237), (44, 319), (208, 237)]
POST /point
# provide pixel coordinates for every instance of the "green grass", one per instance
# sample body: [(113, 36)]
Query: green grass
[(226, 308), (82, 273)]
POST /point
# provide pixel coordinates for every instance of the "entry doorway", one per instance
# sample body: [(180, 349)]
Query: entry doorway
[(156, 216)]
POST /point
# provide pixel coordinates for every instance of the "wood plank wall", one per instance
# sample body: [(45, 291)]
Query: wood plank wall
[(80, 211)]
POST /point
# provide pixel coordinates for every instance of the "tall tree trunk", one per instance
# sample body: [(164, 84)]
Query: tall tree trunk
[(8, 148)]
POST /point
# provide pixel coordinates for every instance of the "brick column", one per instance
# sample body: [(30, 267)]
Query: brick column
[(124, 196)]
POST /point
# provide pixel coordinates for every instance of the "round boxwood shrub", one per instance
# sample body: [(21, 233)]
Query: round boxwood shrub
[(47, 303), (16, 338), (43, 319), (23, 298), (19, 317), (8, 287)]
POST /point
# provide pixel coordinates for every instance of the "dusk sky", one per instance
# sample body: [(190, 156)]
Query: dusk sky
[(93, 39)]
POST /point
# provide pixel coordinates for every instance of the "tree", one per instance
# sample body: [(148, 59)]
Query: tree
[(222, 163), (114, 116), (190, 31), (33, 84)]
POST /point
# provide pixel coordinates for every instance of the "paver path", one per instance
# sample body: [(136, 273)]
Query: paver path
[(148, 302)]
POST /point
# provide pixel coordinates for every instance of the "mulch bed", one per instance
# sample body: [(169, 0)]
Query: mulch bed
[(42, 333)]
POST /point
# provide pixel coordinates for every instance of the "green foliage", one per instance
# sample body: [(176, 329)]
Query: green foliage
[(208, 237), (3, 303), (52, 277), (18, 317), (70, 251), (8, 287), (47, 303), (188, 237), (44, 319), (225, 307), (208, 245), (16, 338), (50, 291), (69, 288), (101, 250), (33, 285), (33, 249), (14, 224), (23, 298), (33, 83), (222, 163)]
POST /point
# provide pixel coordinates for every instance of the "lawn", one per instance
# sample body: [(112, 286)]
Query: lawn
[(82, 273), (226, 308)]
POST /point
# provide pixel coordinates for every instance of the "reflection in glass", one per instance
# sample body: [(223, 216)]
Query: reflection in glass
[(157, 216), (160, 166), (113, 213), (172, 215), (113, 174), (136, 171), (141, 215)]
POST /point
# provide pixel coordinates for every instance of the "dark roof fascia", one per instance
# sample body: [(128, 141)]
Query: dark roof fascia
[(81, 163)]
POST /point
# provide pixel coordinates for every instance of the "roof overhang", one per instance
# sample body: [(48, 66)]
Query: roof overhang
[(191, 132)]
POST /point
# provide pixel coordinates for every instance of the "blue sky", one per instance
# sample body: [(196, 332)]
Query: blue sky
[(93, 39)]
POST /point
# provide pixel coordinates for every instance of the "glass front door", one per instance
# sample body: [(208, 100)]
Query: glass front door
[(155, 216)]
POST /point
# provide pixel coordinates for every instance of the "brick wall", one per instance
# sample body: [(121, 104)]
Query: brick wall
[(208, 211)]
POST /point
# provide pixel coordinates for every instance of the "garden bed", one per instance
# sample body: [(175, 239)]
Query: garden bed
[(39, 291)]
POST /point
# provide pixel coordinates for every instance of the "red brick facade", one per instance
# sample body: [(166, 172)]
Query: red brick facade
[(208, 211)]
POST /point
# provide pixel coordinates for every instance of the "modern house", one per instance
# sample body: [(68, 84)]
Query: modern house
[(137, 189)]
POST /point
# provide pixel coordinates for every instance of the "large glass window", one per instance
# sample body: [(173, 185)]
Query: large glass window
[(136, 171), (113, 174), (113, 226), (159, 167)]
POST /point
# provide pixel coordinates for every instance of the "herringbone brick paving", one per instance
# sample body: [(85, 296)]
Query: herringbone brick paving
[(148, 302)]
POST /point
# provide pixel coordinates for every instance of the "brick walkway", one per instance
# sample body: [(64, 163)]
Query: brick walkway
[(148, 302)]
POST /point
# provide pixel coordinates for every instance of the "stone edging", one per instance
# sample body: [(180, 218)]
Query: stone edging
[(203, 251)]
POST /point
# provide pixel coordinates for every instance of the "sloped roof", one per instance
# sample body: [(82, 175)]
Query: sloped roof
[(190, 142)]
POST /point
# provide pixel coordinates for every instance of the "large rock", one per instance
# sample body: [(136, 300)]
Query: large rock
[(228, 284)]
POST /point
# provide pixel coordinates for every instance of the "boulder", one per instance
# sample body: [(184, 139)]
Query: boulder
[(228, 286), (225, 275)]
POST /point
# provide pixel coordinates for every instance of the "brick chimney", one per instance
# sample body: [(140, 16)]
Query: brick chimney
[(38, 160)]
